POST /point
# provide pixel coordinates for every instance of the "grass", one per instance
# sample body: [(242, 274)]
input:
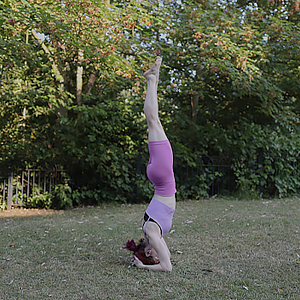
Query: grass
[(221, 249)]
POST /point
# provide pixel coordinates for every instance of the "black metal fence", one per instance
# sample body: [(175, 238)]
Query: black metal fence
[(18, 186), (209, 176), (213, 175)]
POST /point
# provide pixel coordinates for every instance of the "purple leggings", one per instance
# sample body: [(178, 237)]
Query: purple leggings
[(160, 168)]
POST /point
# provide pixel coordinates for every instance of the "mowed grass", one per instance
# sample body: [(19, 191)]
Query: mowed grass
[(221, 249)]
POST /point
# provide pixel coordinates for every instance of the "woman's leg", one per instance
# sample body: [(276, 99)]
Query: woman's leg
[(156, 131)]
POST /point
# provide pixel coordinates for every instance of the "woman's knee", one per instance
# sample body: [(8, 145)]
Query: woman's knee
[(154, 123)]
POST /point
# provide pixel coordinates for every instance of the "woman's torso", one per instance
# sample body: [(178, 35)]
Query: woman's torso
[(169, 201)]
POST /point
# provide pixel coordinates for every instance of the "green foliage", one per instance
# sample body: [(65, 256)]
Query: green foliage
[(64, 198), (198, 190), (60, 198), (98, 142), (41, 201), (243, 80), (86, 197), (144, 188), (72, 92), (277, 172)]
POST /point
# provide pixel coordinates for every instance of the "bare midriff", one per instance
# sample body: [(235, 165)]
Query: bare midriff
[(170, 201)]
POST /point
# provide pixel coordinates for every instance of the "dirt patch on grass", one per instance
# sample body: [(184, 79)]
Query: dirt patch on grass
[(24, 212)]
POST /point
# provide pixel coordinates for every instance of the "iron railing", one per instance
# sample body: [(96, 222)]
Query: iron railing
[(17, 186), (209, 176)]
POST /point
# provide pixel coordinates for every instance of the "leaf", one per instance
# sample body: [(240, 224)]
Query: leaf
[(207, 270), (280, 291)]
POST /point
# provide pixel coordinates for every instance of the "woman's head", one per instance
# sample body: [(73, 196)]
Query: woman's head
[(143, 251)]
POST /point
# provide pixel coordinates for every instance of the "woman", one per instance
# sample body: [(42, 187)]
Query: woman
[(158, 216)]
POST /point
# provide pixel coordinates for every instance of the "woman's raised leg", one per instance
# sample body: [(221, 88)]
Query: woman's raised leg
[(156, 131)]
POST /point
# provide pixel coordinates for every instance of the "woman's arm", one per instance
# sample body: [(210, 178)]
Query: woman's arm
[(157, 267), (166, 247), (162, 250)]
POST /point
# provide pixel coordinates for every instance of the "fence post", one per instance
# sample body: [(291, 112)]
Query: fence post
[(10, 189)]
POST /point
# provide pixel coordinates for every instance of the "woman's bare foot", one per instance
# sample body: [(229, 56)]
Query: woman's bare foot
[(153, 72)]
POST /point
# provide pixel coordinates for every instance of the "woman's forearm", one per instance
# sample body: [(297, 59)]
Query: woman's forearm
[(157, 267)]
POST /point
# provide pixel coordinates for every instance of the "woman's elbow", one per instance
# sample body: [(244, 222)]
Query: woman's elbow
[(167, 267)]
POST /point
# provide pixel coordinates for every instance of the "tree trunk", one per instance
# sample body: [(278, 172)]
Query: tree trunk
[(79, 78), (195, 96), (90, 84), (61, 111)]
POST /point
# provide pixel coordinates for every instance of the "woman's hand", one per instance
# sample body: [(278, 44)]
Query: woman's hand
[(136, 262)]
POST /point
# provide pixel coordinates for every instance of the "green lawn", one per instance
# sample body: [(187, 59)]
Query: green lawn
[(221, 249)]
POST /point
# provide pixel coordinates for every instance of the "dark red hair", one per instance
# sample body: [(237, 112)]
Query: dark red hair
[(139, 251)]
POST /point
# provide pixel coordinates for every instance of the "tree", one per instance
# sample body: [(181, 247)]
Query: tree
[(82, 43), (233, 79), (65, 98), (72, 87)]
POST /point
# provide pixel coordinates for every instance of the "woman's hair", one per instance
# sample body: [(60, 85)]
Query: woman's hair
[(139, 251)]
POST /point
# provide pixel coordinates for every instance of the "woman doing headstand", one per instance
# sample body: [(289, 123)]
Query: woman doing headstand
[(157, 220)]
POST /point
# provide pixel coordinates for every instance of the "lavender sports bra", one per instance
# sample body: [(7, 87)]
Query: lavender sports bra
[(161, 213)]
